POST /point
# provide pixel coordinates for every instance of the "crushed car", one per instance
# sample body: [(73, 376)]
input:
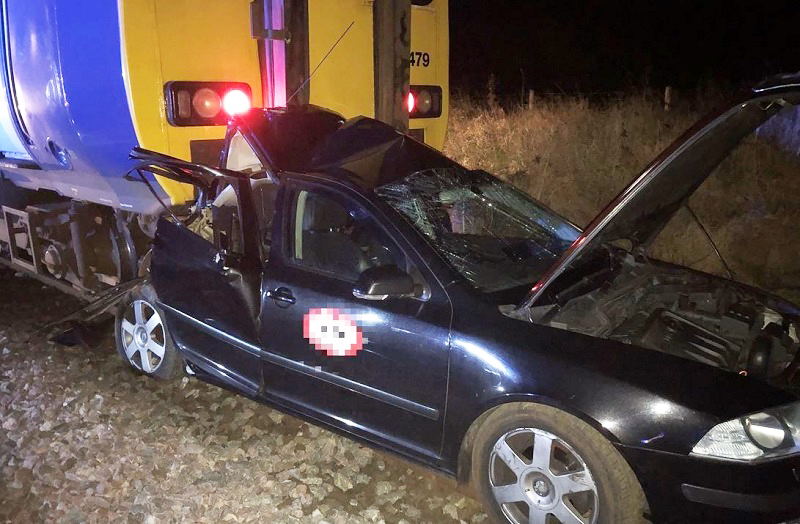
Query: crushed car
[(345, 273)]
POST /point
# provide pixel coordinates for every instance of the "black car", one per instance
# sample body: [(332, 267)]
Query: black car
[(348, 274)]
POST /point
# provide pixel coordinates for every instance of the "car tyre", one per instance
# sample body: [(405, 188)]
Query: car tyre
[(530, 458), (143, 338)]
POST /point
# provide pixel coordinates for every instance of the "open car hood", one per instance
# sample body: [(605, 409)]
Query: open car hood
[(640, 212)]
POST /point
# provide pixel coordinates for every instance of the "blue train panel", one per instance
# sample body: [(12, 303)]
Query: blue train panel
[(64, 104), (11, 145)]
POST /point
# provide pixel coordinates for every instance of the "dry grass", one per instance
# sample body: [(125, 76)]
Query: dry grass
[(575, 156), (565, 144)]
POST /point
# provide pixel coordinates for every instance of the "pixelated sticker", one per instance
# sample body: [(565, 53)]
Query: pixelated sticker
[(333, 331)]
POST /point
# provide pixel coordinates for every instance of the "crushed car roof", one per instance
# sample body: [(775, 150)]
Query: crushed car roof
[(367, 152)]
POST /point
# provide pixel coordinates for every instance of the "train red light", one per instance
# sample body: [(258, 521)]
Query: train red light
[(236, 102), (191, 103)]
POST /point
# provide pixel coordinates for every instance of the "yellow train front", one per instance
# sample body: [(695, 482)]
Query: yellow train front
[(83, 82), (309, 51)]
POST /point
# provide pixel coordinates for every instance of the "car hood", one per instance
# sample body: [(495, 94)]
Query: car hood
[(642, 209)]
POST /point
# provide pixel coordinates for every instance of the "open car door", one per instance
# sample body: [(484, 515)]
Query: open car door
[(206, 272)]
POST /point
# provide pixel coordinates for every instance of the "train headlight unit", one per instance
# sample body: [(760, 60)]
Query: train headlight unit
[(205, 103), (424, 101)]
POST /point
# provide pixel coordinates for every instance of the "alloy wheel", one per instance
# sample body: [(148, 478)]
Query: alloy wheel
[(537, 478), (143, 336)]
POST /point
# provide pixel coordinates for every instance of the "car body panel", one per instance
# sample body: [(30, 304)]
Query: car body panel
[(200, 301), (382, 387)]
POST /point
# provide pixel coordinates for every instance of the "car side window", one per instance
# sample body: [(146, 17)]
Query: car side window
[(242, 157), (339, 237)]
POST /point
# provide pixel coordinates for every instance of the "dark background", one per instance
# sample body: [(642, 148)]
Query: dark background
[(594, 47)]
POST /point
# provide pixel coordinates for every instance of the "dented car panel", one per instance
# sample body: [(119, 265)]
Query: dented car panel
[(277, 300), (195, 286)]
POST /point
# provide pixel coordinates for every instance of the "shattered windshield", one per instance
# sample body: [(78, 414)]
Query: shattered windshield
[(493, 234)]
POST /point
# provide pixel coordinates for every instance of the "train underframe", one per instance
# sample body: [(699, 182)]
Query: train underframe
[(79, 247)]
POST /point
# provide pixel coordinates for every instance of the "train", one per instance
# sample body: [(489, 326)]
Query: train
[(83, 82)]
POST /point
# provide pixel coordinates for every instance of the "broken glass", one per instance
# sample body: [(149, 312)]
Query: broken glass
[(491, 233)]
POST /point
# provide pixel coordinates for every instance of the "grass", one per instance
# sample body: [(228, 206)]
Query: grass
[(575, 156)]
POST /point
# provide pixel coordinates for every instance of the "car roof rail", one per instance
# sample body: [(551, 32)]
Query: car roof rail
[(153, 157)]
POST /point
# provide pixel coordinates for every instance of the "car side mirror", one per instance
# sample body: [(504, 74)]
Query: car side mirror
[(380, 283)]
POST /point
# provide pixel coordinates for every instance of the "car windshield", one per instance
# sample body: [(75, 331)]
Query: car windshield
[(493, 234)]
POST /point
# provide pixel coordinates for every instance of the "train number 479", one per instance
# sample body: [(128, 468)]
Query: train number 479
[(420, 59)]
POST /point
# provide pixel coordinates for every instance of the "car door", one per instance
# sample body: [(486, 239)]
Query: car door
[(377, 368), (207, 277)]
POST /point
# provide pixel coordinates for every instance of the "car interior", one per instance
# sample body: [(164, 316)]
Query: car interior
[(330, 239)]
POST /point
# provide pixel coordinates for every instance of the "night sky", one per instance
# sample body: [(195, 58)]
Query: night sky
[(599, 46)]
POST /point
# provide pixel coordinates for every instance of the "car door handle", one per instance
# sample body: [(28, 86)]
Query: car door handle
[(282, 294), (220, 260)]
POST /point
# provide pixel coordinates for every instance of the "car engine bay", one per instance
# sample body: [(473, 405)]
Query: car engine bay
[(682, 312)]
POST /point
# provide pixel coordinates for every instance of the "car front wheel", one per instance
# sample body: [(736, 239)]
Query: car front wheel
[(143, 339), (536, 464)]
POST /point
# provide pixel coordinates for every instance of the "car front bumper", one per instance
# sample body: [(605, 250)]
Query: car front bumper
[(681, 488), (774, 502)]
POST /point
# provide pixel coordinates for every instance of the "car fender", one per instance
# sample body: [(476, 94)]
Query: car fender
[(466, 438)]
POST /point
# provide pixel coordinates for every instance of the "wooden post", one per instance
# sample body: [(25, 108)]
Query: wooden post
[(392, 43), (667, 98), (491, 96), (530, 99)]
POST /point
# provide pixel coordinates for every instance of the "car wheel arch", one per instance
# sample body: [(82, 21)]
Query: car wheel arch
[(509, 402)]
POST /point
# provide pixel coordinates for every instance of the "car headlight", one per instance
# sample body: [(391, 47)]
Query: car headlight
[(771, 433)]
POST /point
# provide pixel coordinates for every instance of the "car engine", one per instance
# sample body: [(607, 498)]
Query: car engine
[(683, 312)]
